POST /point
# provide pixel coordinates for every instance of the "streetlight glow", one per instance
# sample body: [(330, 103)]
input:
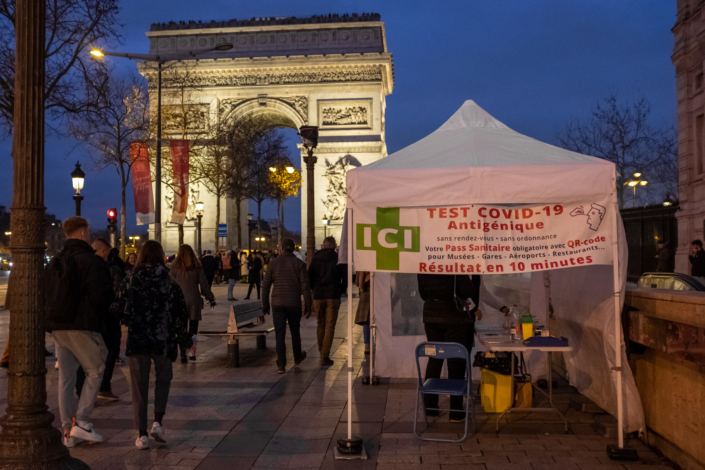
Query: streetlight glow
[(632, 183), (643, 183), (77, 178), (199, 206), (290, 169), (272, 169), (636, 175), (97, 53)]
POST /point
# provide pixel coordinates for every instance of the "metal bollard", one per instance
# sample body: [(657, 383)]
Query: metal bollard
[(234, 353)]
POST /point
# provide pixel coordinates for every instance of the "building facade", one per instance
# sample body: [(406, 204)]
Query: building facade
[(331, 71), (688, 58)]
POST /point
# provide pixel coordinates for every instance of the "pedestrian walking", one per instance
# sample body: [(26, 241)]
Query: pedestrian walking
[(697, 259), (130, 263), (113, 331), (288, 281), (219, 270), (152, 306), (188, 273), (254, 270), (231, 266), (210, 266), (362, 316), (299, 255), (5, 361), (444, 323), (663, 257), (78, 294), (328, 282)]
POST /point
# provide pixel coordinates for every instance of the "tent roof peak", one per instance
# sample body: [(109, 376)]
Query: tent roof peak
[(469, 115)]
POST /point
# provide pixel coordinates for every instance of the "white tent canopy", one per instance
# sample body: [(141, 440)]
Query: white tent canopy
[(475, 159)]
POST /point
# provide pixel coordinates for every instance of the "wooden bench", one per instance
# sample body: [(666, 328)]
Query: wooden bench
[(244, 317)]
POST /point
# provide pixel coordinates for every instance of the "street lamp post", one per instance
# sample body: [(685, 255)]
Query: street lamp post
[(27, 438), (633, 183), (249, 232), (97, 53), (199, 217), (325, 226), (309, 139), (77, 179)]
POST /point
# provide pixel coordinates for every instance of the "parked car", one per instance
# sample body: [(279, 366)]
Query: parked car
[(5, 262), (672, 281)]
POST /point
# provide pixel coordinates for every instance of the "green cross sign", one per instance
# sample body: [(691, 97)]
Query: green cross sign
[(388, 238)]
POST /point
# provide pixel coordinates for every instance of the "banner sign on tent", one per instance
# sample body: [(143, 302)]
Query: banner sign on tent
[(180, 166), (482, 239), (142, 183)]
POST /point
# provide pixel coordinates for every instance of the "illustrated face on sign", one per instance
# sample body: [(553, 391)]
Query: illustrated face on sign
[(595, 215)]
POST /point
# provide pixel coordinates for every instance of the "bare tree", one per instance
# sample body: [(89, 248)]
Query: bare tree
[(211, 166), (241, 136), (72, 27), (623, 135), (120, 118), (184, 116), (266, 151), (286, 182)]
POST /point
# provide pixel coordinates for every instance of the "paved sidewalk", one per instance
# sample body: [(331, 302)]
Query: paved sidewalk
[(254, 418)]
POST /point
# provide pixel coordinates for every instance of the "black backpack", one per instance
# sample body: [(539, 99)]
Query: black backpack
[(62, 289)]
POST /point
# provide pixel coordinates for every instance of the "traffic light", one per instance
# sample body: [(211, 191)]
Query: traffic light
[(112, 220)]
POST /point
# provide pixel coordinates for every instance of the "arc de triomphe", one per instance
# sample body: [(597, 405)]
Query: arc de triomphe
[(329, 71)]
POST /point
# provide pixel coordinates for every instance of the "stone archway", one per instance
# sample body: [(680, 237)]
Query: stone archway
[(329, 71)]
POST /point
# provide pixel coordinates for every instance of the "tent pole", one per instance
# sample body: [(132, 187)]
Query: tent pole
[(617, 323), (371, 321), (350, 319)]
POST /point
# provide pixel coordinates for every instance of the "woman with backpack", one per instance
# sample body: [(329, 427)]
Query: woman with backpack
[(152, 306)]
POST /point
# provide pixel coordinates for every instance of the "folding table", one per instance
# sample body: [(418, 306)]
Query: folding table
[(496, 342)]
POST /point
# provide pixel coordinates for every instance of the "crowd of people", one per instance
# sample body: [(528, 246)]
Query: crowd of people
[(91, 293)]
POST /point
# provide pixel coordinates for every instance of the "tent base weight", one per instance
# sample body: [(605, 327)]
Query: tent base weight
[(342, 456), (366, 380), (626, 453)]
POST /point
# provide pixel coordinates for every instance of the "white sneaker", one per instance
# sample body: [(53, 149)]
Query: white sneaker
[(85, 431), (142, 443), (158, 432), (70, 441)]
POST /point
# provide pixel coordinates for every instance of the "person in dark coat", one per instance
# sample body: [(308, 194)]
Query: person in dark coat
[(231, 266), (254, 268), (362, 316), (288, 280), (663, 257), (328, 282), (210, 266), (79, 342), (186, 270), (444, 323), (697, 259), (113, 333)]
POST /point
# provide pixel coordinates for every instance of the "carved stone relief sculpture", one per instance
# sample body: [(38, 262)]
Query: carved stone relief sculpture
[(335, 172), (193, 197), (196, 119), (356, 114)]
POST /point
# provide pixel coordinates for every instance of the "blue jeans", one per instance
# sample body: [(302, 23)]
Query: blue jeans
[(231, 284), (366, 333), (280, 316)]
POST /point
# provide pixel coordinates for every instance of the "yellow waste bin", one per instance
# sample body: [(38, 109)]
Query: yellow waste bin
[(496, 391)]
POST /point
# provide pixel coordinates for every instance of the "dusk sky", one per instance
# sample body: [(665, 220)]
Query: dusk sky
[(532, 65)]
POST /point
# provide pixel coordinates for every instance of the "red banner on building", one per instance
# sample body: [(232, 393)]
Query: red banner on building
[(142, 183), (180, 166)]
